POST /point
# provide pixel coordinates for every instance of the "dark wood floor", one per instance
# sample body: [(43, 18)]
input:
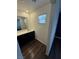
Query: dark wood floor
[(56, 49), (34, 50)]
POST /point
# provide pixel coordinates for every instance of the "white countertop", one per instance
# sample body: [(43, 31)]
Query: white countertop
[(23, 31)]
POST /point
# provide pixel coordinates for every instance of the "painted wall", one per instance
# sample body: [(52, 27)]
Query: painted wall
[(22, 13), (42, 30), (54, 20)]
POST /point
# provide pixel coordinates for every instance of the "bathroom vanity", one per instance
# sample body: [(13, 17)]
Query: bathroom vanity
[(31, 48)]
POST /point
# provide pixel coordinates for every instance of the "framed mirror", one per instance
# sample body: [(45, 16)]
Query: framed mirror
[(21, 23)]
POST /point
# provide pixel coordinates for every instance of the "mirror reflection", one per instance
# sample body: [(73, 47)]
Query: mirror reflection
[(21, 23)]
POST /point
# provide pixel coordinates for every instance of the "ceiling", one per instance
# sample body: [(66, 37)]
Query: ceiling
[(23, 5)]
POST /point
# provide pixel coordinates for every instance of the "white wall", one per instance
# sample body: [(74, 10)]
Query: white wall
[(42, 30), (54, 20), (22, 13)]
